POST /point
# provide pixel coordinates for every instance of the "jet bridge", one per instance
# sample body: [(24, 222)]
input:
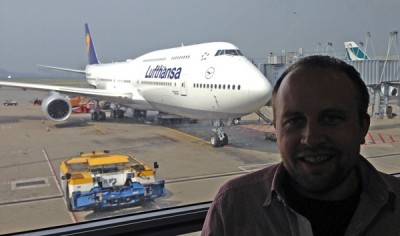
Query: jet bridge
[(382, 77)]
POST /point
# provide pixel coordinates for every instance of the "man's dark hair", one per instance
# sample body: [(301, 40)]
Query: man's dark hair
[(327, 62)]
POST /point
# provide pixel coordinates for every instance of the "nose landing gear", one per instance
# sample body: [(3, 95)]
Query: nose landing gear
[(219, 138)]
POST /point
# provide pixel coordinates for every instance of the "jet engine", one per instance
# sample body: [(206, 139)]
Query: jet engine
[(56, 107)]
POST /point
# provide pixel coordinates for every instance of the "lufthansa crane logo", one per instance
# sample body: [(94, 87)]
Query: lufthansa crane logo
[(210, 72), (205, 56), (87, 42)]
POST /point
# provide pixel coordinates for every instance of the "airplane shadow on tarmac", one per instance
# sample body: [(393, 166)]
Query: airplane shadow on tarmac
[(15, 119), (133, 209)]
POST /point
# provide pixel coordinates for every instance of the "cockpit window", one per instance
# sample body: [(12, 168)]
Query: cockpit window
[(232, 52), (220, 52)]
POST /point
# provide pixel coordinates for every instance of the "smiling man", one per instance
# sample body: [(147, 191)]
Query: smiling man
[(323, 186), (319, 130)]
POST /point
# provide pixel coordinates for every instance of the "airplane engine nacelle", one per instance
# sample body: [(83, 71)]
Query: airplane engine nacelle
[(56, 107)]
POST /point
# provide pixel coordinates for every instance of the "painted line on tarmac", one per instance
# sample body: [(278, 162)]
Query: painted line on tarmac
[(153, 203), (71, 214), (383, 155), (53, 173), (255, 167), (191, 136), (30, 200), (98, 129), (380, 138), (202, 177)]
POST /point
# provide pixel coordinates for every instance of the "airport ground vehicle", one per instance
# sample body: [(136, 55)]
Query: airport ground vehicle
[(83, 107), (76, 100), (99, 180), (10, 102), (37, 101)]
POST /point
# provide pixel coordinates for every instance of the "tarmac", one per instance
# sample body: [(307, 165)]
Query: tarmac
[(33, 147)]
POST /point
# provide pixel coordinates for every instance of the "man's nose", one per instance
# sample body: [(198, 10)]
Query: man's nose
[(312, 134)]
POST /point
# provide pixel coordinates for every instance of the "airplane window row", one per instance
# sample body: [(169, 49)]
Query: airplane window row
[(110, 80), (232, 52), (180, 57), (158, 83), (124, 81), (217, 86), (155, 59)]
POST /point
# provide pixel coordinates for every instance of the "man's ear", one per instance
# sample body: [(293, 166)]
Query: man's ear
[(364, 127)]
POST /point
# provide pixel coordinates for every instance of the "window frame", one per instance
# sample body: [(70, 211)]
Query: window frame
[(166, 221)]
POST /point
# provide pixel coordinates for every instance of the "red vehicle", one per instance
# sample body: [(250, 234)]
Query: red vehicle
[(83, 108), (37, 101), (76, 101)]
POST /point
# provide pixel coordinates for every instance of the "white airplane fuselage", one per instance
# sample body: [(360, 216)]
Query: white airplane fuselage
[(190, 81), (204, 81)]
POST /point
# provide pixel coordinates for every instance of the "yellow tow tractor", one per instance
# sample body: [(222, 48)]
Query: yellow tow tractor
[(99, 180)]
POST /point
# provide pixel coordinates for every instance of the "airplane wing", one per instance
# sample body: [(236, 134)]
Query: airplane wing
[(114, 96), (63, 69)]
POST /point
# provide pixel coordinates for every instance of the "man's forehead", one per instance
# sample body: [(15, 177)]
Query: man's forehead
[(317, 86), (318, 75), (319, 81)]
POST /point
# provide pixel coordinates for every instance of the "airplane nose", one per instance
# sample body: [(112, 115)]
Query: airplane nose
[(254, 89), (261, 90)]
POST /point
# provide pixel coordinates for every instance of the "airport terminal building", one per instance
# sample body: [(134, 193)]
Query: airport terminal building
[(381, 76)]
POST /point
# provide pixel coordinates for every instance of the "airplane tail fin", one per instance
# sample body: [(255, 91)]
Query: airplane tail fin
[(354, 53), (92, 56)]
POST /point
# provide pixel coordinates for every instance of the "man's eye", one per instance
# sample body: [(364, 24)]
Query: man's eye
[(296, 121), (331, 120)]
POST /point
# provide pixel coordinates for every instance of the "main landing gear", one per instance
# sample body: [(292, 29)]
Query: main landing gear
[(219, 138), (116, 111), (139, 115), (96, 113)]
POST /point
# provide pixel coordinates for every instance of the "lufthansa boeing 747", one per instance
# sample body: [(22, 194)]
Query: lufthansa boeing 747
[(204, 81)]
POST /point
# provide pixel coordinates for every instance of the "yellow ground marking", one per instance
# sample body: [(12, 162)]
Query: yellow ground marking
[(191, 136), (98, 128)]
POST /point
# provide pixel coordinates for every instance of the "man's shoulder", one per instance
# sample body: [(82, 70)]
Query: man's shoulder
[(376, 179), (263, 177), (391, 181)]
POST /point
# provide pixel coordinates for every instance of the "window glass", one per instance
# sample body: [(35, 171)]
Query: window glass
[(144, 111), (231, 52)]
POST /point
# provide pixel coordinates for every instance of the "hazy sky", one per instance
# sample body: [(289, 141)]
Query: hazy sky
[(51, 32)]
